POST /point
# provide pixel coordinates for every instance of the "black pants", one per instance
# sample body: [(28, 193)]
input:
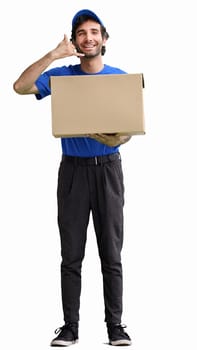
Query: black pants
[(85, 185)]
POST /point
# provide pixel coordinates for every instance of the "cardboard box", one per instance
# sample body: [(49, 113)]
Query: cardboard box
[(89, 104)]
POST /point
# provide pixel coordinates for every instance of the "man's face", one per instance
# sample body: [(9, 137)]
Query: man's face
[(89, 39)]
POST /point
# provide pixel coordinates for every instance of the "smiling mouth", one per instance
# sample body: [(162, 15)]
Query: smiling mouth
[(88, 47)]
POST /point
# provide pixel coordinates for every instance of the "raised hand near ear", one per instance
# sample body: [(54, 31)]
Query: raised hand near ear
[(65, 49)]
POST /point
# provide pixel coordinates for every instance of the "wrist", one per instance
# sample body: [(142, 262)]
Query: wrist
[(51, 55)]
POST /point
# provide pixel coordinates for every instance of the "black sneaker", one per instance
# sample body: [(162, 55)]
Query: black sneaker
[(117, 335), (67, 335)]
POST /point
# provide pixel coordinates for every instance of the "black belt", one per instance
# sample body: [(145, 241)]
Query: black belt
[(91, 160)]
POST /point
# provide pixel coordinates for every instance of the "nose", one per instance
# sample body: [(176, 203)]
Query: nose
[(89, 37)]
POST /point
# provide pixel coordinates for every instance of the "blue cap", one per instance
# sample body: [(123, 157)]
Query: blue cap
[(86, 12)]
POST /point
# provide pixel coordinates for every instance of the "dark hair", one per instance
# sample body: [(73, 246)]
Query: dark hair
[(80, 20)]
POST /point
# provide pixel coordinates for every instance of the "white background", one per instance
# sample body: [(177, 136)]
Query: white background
[(157, 38)]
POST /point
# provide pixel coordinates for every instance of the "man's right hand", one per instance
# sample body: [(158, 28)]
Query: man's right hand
[(65, 49)]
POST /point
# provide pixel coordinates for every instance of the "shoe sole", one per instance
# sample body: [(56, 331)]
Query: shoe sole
[(63, 342), (120, 342)]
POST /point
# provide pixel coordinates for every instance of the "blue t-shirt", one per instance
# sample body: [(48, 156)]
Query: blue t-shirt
[(76, 146)]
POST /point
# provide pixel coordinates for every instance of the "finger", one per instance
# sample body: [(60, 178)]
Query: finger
[(65, 38), (76, 53)]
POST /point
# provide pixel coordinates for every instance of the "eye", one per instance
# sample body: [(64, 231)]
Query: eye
[(80, 33), (94, 32)]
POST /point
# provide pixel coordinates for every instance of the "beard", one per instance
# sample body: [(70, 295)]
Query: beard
[(90, 55)]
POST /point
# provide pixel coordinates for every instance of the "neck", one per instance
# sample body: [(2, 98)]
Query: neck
[(91, 65)]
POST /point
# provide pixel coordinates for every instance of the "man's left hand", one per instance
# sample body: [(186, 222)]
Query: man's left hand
[(111, 140)]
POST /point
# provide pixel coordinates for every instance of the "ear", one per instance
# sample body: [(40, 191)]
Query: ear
[(104, 41)]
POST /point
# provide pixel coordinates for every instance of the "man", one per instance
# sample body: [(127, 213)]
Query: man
[(90, 179)]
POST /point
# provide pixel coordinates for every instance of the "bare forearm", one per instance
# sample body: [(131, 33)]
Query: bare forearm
[(25, 83)]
